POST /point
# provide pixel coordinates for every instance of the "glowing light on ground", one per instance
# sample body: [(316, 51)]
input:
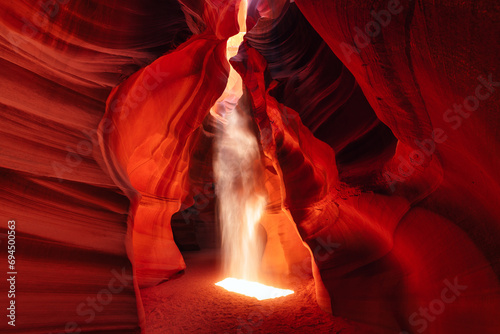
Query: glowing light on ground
[(252, 289)]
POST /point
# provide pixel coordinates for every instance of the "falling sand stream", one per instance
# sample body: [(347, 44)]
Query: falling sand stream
[(240, 189)]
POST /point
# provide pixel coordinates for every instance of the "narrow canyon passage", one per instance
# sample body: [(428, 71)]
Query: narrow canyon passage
[(372, 182)]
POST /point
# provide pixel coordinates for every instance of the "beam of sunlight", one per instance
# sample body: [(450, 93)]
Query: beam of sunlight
[(241, 195), (240, 185), (239, 176)]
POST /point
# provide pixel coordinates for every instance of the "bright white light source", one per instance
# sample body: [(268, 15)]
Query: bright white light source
[(252, 289)]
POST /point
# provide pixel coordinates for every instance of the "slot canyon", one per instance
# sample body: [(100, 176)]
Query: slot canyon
[(342, 157)]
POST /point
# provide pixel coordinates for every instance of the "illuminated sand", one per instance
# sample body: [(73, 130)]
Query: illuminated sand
[(252, 289), (194, 304)]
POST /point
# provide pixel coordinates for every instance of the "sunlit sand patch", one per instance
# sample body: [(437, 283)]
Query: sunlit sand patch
[(252, 289)]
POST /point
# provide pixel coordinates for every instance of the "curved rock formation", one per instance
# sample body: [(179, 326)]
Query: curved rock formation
[(59, 62), (378, 128), (388, 286)]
